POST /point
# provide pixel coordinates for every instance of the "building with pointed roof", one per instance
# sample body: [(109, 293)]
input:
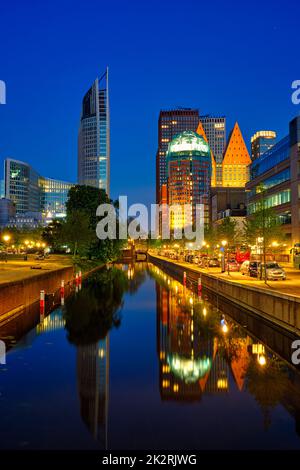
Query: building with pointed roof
[(236, 161)]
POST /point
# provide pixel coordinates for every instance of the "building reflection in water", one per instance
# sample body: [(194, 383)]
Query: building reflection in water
[(198, 357), (93, 387)]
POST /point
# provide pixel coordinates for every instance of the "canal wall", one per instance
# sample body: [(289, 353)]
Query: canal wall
[(282, 309), (19, 294)]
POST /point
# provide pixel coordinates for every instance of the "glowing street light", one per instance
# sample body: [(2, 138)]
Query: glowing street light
[(6, 238)]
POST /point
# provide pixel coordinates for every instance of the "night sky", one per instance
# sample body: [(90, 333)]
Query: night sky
[(224, 57)]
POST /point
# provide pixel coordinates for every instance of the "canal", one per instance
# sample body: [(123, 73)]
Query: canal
[(134, 360)]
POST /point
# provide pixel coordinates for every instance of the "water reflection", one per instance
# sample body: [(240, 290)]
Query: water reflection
[(206, 351), (198, 356)]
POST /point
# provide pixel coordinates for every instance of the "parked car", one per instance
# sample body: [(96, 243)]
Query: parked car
[(274, 272), (214, 263), (244, 269), (232, 265), (249, 268)]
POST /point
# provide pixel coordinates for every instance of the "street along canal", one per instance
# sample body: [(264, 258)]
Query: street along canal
[(134, 360)]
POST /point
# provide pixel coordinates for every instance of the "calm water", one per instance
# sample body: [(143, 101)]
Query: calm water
[(135, 361)]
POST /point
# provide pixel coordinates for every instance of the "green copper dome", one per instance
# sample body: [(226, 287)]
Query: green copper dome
[(188, 141)]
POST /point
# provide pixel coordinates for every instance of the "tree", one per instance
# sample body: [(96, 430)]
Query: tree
[(262, 226), (52, 234), (77, 233), (82, 205), (227, 230)]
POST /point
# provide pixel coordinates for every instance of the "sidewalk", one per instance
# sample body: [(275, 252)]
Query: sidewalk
[(291, 286), (16, 270)]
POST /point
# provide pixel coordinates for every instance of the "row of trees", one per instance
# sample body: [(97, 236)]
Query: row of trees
[(78, 230)]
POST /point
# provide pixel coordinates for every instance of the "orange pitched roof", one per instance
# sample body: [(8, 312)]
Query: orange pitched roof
[(240, 363), (200, 130), (236, 151)]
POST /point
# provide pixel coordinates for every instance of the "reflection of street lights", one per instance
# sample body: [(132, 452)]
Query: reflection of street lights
[(261, 359)]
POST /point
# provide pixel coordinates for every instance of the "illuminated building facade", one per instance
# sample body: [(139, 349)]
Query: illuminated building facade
[(171, 123), (215, 130), (54, 195), (236, 161), (22, 186), (34, 196), (94, 136), (277, 170), (93, 384), (189, 170), (262, 141)]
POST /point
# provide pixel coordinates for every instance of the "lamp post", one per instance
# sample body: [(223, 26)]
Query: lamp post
[(6, 239), (223, 243)]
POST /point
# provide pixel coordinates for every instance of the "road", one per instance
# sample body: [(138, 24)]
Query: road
[(290, 286)]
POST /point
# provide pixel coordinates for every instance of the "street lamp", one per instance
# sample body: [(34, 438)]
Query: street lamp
[(223, 243), (6, 238)]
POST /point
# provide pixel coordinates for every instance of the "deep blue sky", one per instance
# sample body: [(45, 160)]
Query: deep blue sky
[(226, 57)]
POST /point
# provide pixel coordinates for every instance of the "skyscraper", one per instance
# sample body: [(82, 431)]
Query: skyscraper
[(262, 141), (215, 131), (94, 136), (170, 123), (189, 171)]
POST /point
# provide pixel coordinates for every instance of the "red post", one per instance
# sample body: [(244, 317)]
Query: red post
[(62, 292), (42, 302), (199, 287), (184, 278)]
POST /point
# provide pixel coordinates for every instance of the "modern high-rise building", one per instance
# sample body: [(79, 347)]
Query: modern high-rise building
[(215, 130), (189, 171), (171, 123), (236, 161), (262, 141), (94, 136), (22, 186), (32, 193), (277, 170)]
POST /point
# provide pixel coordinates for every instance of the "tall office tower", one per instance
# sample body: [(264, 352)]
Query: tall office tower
[(262, 141), (215, 130), (94, 136), (189, 171), (236, 161), (171, 123)]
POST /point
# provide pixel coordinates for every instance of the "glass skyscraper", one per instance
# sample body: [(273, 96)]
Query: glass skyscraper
[(94, 136)]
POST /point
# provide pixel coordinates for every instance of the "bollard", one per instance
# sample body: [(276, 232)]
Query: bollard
[(42, 302), (199, 287), (62, 292), (184, 278)]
